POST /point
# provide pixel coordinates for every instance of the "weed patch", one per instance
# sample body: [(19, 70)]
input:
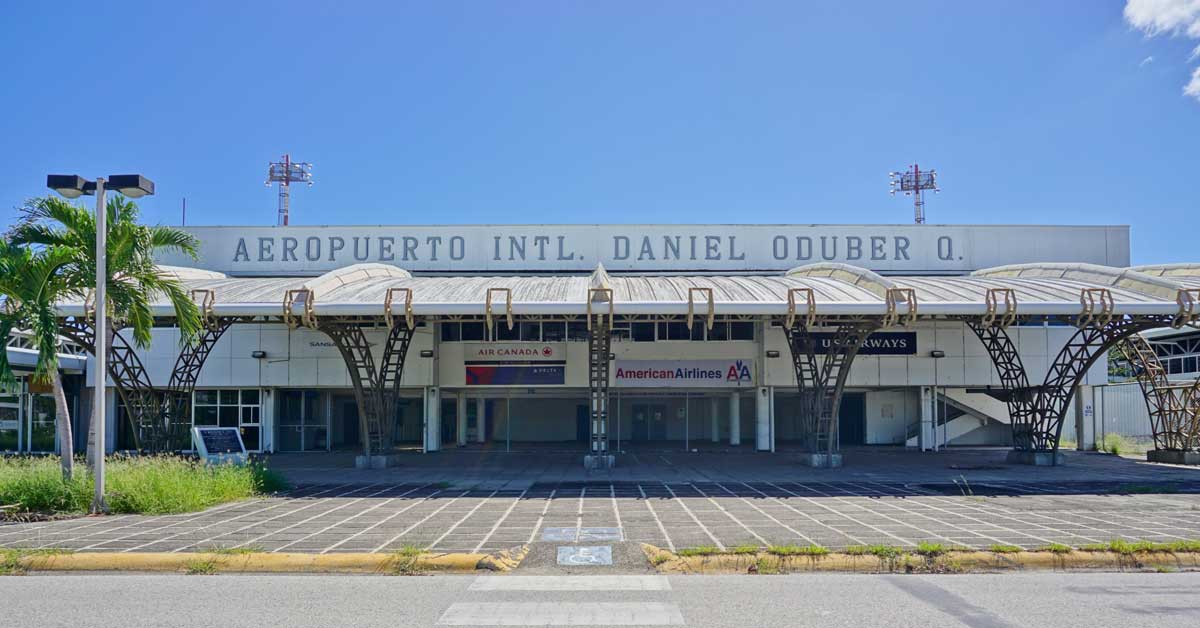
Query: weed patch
[(931, 550), (1055, 548), (1001, 548), (699, 550), (406, 560), (744, 549), (200, 567), (154, 485), (798, 550)]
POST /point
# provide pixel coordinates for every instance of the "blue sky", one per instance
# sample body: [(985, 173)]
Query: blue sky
[(672, 112)]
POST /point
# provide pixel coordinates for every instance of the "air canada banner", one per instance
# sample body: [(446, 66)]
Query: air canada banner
[(515, 364), (683, 373), (299, 250)]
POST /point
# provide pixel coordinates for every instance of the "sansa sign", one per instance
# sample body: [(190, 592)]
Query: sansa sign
[(578, 248)]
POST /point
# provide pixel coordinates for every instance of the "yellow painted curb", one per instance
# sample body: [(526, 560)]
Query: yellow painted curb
[(261, 562), (949, 562)]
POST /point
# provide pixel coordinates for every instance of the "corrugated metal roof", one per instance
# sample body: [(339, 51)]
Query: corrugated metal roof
[(837, 289)]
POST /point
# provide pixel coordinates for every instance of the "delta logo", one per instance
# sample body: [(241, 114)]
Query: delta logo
[(738, 372)]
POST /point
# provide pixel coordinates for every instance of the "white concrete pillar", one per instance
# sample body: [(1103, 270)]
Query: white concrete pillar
[(762, 419), (926, 438), (735, 419), (714, 420), (433, 419), (460, 414), (481, 420)]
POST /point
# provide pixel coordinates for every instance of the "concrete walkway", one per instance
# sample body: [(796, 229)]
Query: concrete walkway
[(451, 502)]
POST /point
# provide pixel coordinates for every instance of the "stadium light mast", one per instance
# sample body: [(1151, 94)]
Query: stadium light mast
[(285, 173), (913, 182)]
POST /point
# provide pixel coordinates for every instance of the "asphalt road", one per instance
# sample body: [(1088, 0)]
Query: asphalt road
[(1045, 600)]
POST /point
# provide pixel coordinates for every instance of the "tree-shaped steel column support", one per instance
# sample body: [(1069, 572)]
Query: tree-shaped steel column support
[(822, 379), (141, 401), (1037, 412), (177, 400), (1174, 407), (376, 388)]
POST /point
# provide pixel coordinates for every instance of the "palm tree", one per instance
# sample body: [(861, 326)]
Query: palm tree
[(30, 283), (134, 280)]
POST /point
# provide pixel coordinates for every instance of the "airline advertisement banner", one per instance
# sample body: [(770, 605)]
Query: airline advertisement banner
[(515, 364), (683, 373)]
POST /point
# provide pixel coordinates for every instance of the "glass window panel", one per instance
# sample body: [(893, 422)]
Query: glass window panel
[(472, 331), (227, 416), (577, 330), (250, 397), (677, 331), (642, 332), (206, 397), (698, 326), (206, 415), (249, 415), (1189, 365), (451, 332), (742, 330), (531, 331), (229, 397), (719, 331), (554, 331), (504, 333)]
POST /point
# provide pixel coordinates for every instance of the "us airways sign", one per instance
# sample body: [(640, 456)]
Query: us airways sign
[(728, 248)]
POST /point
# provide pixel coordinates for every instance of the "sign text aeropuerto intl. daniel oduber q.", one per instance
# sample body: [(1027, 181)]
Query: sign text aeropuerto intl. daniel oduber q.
[(574, 248)]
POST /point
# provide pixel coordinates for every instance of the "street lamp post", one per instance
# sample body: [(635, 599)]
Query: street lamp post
[(74, 186)]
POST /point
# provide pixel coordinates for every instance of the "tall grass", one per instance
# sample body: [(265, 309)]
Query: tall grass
[(139, 484)]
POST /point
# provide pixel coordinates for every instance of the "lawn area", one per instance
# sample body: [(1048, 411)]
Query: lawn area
[(136, 484)]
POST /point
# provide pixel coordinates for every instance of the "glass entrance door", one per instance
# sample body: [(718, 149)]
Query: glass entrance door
[(41, 424), (303, 425), (10, 423)]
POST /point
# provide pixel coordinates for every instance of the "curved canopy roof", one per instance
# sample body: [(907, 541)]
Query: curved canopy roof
[(358, 290)]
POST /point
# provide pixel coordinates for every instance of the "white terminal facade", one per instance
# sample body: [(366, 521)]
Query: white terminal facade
[(726, 378)]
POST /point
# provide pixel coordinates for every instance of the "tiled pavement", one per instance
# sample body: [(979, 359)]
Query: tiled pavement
[(382, 517)]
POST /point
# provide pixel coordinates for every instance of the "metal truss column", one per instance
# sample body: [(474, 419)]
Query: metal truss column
[(1174, 407), (177, 398), (1037, 413), (599, 325), (137, 394), (822, 380)]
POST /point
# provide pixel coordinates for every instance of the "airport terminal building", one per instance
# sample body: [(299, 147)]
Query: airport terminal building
[(610, 338)]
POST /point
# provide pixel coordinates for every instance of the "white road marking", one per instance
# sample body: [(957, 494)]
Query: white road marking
[(840, 514), (768, 515), (382, 521), (571, 583), (745, 527), (332, 525), (542, 517), (661, 527), (720, 545), (413, 526), (562, 614), (500, 521)]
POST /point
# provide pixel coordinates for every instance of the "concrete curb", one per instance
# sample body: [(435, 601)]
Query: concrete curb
[(949, 562), (261, 562)]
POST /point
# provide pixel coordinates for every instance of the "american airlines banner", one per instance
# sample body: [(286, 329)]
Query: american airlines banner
[(682, 373), (281, 251)]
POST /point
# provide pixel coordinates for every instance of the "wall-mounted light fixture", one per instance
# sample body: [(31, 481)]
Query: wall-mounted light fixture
[(258, 355), (427, 353), (612, 356), (772, 353), (937, 353)]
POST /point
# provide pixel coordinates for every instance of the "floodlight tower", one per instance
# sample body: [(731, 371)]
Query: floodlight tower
[(913, 182), (286, 173)]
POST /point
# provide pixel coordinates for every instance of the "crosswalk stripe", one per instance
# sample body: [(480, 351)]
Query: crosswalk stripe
[(562, 614), (571, 583)]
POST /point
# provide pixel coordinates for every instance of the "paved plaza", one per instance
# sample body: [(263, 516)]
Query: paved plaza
[(474, 503)]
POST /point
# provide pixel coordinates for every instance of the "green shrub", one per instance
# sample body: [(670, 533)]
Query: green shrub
[(857, 550), (798, 550), (884, 552), (135, 484), (699, 550), (1113, 444), (930, 550), (1055, 548)]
